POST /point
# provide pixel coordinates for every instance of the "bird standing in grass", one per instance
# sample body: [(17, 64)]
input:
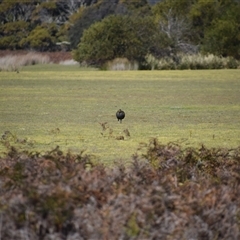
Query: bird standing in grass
[(120, 115)]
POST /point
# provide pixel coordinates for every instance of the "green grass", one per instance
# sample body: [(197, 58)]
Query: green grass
[(188, 107)]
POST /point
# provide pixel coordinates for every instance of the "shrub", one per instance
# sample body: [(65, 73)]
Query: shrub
[(116, 37), (196, 61), (12, 33), (168, 193), (152, 62), (222, 38), (86, 16), (232, 63), (41, 38)]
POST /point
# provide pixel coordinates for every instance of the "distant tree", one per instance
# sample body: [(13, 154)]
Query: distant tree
[(183, 25), (12, 11), (116, 36), (212, 26), (178, 8), (152, 2), (40, 39), (216, 26), (178, 31), (72, 6), (33, 14), (223, 36), (88, 16), (174, 26), (58, 11), (203, 13), (12, 33), (98, 11), (136, 6)]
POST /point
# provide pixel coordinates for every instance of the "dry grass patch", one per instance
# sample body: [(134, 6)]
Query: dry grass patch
[(121, 64), (195, 61), (16, 62)]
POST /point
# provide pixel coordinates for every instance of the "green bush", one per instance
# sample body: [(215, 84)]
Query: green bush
[(12, 34), (7, 42), (116, 37), (86, 16), (222, 38), (41, 39)]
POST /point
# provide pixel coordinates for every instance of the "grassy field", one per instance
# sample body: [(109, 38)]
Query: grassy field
[(45, 106)]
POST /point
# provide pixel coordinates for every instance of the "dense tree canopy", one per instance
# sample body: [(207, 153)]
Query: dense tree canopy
[(211, 26), (180, 25), (22, 21), (103, 8), (223, 36), (116, 36)]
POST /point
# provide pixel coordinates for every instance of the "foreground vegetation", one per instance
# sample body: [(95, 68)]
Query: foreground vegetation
[(167, 193)]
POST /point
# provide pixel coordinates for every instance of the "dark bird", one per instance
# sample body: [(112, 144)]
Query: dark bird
[(120, 115)]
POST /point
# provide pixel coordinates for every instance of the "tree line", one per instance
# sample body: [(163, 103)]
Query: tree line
[(101, 30)]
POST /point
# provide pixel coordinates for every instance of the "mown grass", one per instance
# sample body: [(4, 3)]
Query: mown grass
[(48, 105)]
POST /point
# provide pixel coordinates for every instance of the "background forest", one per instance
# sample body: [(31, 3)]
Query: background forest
[(98, 31)]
